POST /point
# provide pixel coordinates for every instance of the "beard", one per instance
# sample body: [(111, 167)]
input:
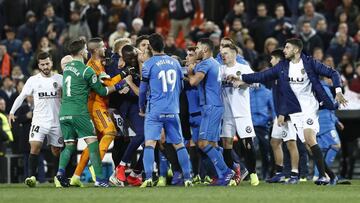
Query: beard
[(46, 72)]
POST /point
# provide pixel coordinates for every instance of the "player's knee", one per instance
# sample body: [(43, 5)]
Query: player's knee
[(291, 144), (56, 151), (151, 143)]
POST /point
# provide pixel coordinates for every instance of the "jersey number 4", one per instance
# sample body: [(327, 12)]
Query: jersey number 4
[(167, 78)]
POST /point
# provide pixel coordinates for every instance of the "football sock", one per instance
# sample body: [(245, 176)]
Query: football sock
[(33, 163), (65, 156), (250, 157), (118, 150), (330, 155), (163, 164), (139, 164), (148, 161), (216, 158), (184, 161), (319, 159), (194, 158), (95, 159), (171, 156), (228, 158), (84, 158), (279, 169)]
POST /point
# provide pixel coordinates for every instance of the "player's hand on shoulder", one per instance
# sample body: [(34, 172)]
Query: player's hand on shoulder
[(103, 76)]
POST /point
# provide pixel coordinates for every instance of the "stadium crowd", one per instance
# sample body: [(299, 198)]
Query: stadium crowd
[(329, 31)]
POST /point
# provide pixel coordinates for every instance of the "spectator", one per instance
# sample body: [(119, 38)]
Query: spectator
[(355, 83), (215, 38), (261, 27), (309, 15), (118, 12), (147, 10), (95, 16), (25, 57), (329, 61), (318, 54), (75, 29), (171, 49), (181, 13), (204, 31), (345, 59), (119, 33), (349, 8), (250, 54), (238, 33), (343, 18), (12, 44), (348, 73), (50, 23), (27, 30), (283, 27), (8, 92), (138, 27), (269, 46), (340, 47), (6, 62), (238, 12), (17, 75), (323, 33), (309, 38)]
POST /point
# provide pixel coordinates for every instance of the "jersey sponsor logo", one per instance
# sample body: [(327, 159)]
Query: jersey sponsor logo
[(309, 121), (47, 95), (296, 80), (248, 129), (94, 79)]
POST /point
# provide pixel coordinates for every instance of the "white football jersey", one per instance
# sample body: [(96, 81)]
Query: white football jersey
[(46, 92), (301, 86), (236, 100)]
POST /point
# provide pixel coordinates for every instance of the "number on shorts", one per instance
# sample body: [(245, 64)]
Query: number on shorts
[(168, 77), (68, 84), (35, 128)]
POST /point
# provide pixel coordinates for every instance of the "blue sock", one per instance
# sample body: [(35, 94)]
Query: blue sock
[(330, 156), (148, 161), (163, 164), (184, 161), (217, 159)]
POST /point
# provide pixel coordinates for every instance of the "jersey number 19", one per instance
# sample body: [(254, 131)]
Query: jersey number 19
[(168, 77)]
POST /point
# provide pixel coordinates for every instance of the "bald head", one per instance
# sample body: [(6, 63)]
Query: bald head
[(66, 59)]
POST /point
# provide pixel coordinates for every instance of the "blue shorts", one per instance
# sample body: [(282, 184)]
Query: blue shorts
[(171, 124), (327, 139), (210, 123), (195, 122)]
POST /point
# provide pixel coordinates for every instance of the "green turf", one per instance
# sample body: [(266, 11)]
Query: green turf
[(274, 193)]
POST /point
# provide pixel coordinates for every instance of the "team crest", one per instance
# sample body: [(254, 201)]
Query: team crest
[(61, 140), (55, 85), (94, 79), (303, 71), (284, 134), (309, 121), (248, 129), (238, 73)]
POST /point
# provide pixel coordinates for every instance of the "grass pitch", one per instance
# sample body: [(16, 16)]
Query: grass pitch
[(272, 193)]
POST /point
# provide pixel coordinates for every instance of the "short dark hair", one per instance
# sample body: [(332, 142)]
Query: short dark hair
[(156, 42), (239, 1), (278, 5), (76, 46), (307, 21), (43, 55), (192, 48), (278, 53), (232, 47), (140, 39), (296, 42), (207, 42)]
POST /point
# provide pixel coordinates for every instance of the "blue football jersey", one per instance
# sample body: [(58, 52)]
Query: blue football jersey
[(192, 94), (210, 87), (165, 83)]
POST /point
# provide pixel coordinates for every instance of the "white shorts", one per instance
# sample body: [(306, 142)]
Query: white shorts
[(286, 132), (243, 126), (303, 121), (52, 134)]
